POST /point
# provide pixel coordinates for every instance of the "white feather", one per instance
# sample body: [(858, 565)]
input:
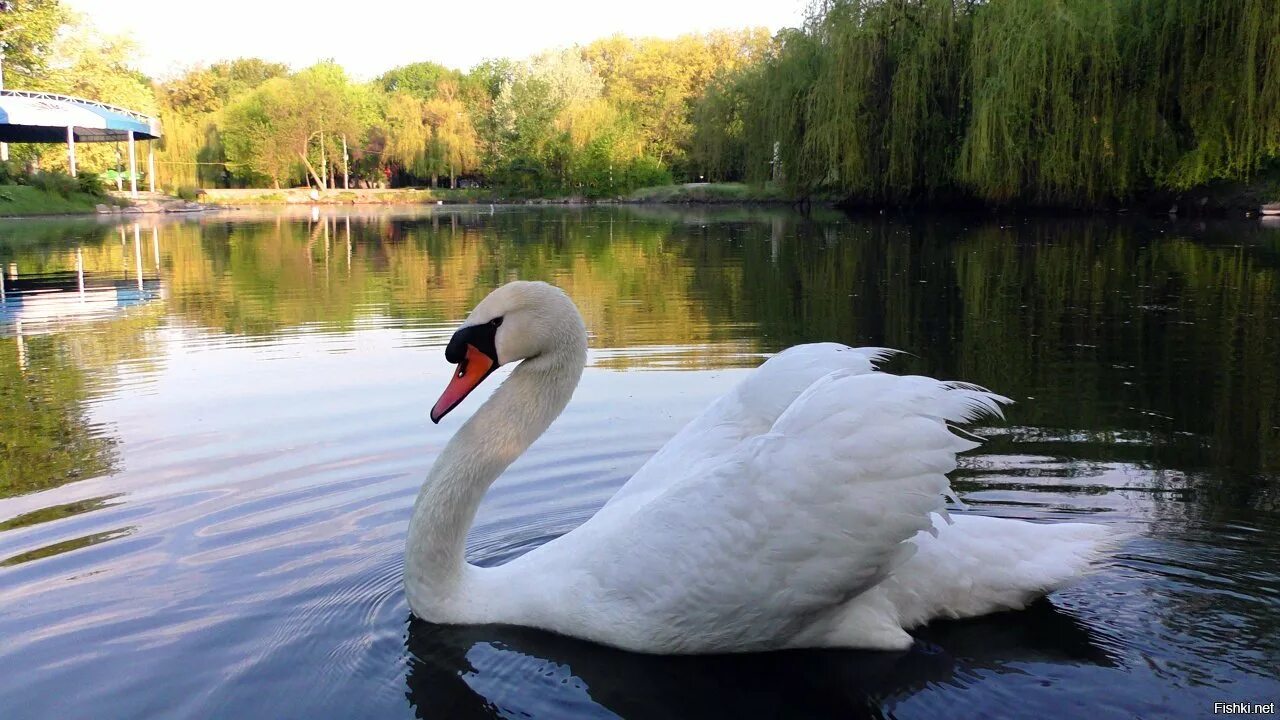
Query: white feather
[(805, 508)]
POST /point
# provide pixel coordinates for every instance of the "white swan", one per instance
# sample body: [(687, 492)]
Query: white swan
[(805, 508)]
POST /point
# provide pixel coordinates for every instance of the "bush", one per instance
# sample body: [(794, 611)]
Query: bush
[(57, 183), (10, 173), (647, 172), (190, 193), (90, 183)]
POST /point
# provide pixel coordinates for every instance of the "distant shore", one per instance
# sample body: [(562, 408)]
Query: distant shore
[(692, 193), (1224, 199), (23, 201)]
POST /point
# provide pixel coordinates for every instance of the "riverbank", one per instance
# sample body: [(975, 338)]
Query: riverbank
[(27, 201), (1219, 200), (686, 193), (715, 193), (235, 197)]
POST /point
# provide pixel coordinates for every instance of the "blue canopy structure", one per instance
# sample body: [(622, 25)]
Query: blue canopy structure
[(44, 117), (37, 117)]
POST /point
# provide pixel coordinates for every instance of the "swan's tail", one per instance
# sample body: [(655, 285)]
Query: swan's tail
[(979, 565)]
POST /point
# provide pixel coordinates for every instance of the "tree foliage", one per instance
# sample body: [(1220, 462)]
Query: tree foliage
[(292, 126), (595, 120), (29, 31), (1060, 102), (420, 79)]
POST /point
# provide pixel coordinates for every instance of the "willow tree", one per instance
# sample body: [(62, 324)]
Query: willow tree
[(191, 150), (718, 147), (408, 135), (1058, 101), (455, 145)]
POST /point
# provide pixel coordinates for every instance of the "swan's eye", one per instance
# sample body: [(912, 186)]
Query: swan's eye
[(496, 322)]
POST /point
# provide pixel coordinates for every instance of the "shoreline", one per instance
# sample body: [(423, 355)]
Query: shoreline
[(1234, 202)]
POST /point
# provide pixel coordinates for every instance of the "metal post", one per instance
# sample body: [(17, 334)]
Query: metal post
[(71, 149), (151, 165), (133, 168)]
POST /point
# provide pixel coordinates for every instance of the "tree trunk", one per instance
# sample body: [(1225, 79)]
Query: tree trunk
[(314, 174)]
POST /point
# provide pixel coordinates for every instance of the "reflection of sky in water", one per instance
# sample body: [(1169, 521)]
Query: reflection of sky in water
[(208, 483)]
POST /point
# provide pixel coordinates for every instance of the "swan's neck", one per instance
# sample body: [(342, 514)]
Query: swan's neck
[(504, 427)]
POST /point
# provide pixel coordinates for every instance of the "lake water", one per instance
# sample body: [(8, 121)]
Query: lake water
[(212, 431)]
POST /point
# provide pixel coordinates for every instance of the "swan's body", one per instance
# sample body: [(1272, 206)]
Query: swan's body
[(805, 508)]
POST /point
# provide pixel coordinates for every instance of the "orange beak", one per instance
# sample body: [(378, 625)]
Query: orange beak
[(470, 372)]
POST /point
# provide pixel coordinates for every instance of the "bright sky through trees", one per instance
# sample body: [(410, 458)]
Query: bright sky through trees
[(370, 36)]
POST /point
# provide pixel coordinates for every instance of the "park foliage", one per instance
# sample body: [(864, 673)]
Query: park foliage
[(1055, 102), (596, 120), (1058, 102)]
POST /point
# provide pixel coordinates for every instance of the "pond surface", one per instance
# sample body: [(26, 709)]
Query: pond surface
[(212, 431)]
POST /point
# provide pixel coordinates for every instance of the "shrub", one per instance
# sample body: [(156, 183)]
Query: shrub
[(647, 172), (55, 182), (90, 183)]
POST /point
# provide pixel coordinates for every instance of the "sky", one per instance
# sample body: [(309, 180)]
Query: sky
[(368, 37)]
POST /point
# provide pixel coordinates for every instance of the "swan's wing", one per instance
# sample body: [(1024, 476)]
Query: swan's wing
[(794, 522), (749, 409)]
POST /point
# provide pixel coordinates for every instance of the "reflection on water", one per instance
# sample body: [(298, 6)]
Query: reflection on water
[(213, 430), (571, 678)]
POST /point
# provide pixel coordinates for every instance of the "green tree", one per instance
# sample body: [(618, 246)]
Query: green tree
[(454, 142), (408, 135), (420, 79), (279, 127), (86, 64), (29, 32), (263, 134), (1071, 102), (232, 78), (191, 149), (657, 82)]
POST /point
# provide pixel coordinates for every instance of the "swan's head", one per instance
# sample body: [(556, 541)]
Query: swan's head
[(518, 321)]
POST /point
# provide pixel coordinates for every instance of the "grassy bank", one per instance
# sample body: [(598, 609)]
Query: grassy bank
[(710, 193), (23, 200), (302, 196), (689, 193)]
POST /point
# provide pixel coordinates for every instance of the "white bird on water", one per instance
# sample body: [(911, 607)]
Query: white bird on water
[(805, 508)]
